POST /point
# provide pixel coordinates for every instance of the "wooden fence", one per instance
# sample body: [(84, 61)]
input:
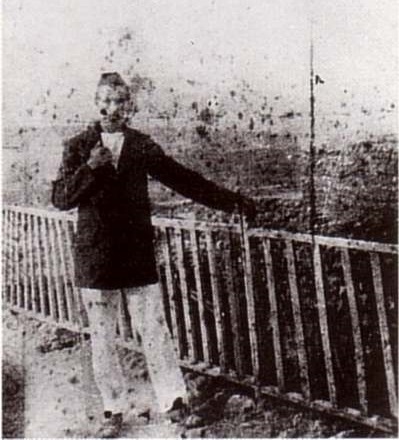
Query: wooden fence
[(309, 319)]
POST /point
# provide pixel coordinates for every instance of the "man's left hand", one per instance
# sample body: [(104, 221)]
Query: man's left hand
[(248, 208)]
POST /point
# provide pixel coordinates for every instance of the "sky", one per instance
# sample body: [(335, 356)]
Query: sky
[(54, 50)]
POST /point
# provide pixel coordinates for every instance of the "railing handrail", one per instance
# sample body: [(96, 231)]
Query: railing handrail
[(370, 246)]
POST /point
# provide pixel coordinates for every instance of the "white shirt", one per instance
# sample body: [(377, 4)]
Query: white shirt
[(114, 142)]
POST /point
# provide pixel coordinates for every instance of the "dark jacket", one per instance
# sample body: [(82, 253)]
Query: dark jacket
[(113, 246)]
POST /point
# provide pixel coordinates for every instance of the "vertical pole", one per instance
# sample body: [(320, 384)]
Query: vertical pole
[(312, 149)]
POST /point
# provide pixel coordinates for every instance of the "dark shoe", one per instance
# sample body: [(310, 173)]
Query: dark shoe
[(178, 411), (111, 427)]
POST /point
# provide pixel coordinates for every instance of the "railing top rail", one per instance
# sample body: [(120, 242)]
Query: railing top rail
[(370, 246), (362, 245), (41, 212)]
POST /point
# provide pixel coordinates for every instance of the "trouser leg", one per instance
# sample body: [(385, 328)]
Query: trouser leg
[(148, 316), (102, 308)]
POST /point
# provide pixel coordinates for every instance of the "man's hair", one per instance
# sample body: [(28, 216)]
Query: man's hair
[(113, 79)]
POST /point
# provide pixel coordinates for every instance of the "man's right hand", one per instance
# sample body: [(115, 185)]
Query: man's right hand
[(99, 156)]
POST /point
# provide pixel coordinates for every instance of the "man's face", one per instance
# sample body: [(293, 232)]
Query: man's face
[(114, 105)]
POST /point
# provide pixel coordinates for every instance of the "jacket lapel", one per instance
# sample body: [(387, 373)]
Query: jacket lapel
[(124, 149)]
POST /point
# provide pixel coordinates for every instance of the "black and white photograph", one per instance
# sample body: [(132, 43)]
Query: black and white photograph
[(199, 218)]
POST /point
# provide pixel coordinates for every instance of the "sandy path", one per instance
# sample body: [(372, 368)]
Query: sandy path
[(62, 400)]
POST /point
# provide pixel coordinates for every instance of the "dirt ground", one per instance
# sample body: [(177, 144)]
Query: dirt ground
[(49, 392)]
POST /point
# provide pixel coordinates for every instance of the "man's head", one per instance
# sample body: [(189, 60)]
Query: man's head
[(113, 101)]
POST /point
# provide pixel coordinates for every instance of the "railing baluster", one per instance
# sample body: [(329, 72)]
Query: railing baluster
[(56, 272), (384, 331), (322, 312), (192, 351), (271, 288), (16, 262), (169, 286), (357, 336), (234, 303), (4, 255), (38, 253), (13, 287), (24, 233), (61, 246), (296, 311), (47, 251), (216, 300), (122, 318), (9, 256), (77, 294), (35, 300), (250, 297), (20, 242), (200, 294)]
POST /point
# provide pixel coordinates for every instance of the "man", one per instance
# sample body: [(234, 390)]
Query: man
[(104, 173)]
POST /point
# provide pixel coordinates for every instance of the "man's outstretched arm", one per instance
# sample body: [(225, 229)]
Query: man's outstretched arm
[(194, 186)]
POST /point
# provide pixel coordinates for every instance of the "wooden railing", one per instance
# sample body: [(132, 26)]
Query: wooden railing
[(310, 319)]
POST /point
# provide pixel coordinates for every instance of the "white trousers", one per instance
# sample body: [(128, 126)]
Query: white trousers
[(146, 309)]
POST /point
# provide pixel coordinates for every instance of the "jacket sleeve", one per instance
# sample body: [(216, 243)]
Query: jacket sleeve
[(190, 183), (76, 182)]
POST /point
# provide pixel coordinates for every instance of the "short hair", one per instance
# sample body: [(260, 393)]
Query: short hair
[(112, 79)]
